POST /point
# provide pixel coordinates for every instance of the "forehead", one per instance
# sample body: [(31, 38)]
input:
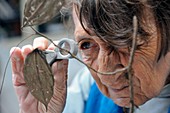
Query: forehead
[(79, 31), (75, 18), (146, 24)]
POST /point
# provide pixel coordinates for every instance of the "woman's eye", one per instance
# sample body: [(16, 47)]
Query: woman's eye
[(85, 45)]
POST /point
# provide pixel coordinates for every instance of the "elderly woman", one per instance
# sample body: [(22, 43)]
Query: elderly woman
[(103, 30)]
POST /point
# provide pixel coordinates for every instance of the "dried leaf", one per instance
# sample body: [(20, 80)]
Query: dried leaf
[(38, 76), (37, 12)]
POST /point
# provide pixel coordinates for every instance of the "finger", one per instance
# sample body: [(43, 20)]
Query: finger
[(26, 50), (17, 62), (41, 43), (26, 99), (60, 84), (17, 59), (52, 46), (60, 73)]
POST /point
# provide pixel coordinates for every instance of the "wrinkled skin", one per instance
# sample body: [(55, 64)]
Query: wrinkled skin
[(149, 76), (28, 104)]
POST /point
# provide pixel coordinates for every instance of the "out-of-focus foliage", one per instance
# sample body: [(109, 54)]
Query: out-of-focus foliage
[(37, 12)]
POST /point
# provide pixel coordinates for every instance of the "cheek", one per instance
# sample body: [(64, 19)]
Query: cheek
[(90, 55), (149, 81)]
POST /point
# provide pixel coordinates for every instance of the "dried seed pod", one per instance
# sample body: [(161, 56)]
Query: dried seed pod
[(37, 12), (38, 76)]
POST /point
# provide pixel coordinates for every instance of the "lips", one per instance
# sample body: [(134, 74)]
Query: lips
[(120, 87), (118, 90)]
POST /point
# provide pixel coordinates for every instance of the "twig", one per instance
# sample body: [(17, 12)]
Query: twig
[(102, 73), (129, 69), (4, 73)]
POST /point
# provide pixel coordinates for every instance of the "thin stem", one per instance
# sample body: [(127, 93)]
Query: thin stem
[(102, 73), (130, 73), (6, 66), (128, 68)]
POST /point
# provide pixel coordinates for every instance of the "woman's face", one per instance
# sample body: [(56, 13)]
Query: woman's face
[(149, 76)]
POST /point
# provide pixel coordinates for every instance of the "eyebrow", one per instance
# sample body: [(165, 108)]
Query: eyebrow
[(80, 38)]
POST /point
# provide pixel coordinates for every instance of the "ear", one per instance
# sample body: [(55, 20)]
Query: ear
[(161, 70), (167, 59), (164, 64)]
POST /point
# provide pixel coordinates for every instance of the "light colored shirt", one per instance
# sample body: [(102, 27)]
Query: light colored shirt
[(159, 104), (79, 89), (78, 92)]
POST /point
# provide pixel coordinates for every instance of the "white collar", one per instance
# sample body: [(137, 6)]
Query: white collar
[(165, 93)]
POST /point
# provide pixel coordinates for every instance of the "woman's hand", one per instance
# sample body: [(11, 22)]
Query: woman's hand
[(27, 102)]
